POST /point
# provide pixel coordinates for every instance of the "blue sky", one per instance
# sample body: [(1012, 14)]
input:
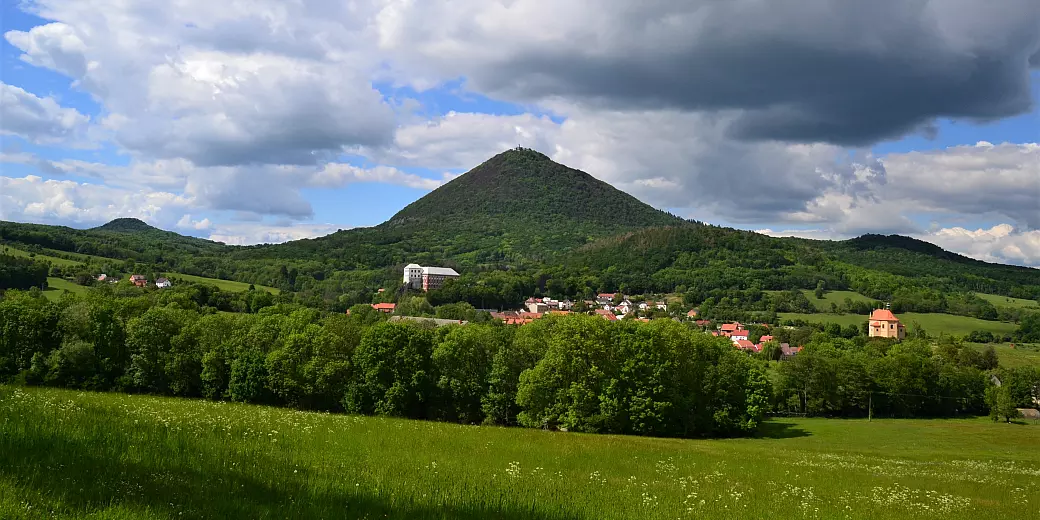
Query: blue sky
[(291, 121)]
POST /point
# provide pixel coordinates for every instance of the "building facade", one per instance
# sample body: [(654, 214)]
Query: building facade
[(884, 324), (427, 278)]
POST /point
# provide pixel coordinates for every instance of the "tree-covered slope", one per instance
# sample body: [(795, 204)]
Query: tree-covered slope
[(524, 187)]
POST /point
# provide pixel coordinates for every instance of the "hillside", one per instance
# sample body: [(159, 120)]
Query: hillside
[(520, 224), (516, 208), (525, 187)]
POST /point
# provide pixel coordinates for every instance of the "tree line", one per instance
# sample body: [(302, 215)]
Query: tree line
[(579, 373)]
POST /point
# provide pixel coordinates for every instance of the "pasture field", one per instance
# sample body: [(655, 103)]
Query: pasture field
[(25, 254), (933, 323), (835, 297), (1006, 301), (68, 454), (223, 285), (56, 286), (1023, 355)]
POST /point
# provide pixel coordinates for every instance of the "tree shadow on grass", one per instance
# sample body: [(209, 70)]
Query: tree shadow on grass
[(84, 479), (780, 430)]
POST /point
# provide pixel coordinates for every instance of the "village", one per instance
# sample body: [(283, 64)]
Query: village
[(882, 323)]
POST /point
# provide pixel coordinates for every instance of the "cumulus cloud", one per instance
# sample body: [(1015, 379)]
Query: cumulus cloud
[(819, 70), (218, 83), (1001, 243), (39, 120), (34, 199), (244, 234)]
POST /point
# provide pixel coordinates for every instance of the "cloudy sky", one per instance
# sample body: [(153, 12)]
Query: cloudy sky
[(270, 120)]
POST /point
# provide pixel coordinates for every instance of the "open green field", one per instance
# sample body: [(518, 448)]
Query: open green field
[(933, 323), (1023, 355), (1006, 301), (224, 285), (835, 297), (67, 454), (56, 286), (25, 254)]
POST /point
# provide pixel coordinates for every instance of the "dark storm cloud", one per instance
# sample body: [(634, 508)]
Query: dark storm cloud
[(844, 72)]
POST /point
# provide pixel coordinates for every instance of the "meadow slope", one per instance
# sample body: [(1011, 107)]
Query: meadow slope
[(66, 454)]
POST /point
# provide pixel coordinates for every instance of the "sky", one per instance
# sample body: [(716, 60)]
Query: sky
[(271, 120)]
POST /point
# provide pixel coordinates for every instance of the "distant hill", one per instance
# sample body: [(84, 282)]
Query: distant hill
[(520, 223), (525, 187), (126, 225), (516, 208)]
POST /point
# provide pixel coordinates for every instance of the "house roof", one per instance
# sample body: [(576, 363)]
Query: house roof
[(606, 314), (440, 271), (161, 280), (693, 313), (883, 315), (384, 306), (764, 339), (413, 266), (744, 344), (740, 333), (731, 326), (605, 295)]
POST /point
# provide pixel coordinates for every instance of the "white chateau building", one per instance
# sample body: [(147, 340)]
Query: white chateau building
[(427, 278)]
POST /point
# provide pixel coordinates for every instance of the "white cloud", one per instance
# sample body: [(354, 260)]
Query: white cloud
[(39, 120), (1001, 243), (258, 233), (218, 83), (34, 199)]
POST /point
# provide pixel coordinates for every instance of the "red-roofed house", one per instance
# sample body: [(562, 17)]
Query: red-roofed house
[(884, 324), (738, 335), (693, 313), (702, 323), (747, 345), (764, 339), (610, 316), (385, 307), (730, 327), (138, 280)]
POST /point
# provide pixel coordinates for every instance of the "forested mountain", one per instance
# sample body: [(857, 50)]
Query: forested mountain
[(520, 224)]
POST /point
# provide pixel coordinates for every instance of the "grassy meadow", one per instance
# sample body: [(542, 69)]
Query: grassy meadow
[(54, 260), (223, 285), (1007, 301), (1022, 355), (56, 286), (66, 454), (835, 297), (933, 323)]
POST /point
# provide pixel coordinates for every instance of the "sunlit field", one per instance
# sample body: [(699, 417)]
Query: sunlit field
[(67, 454)]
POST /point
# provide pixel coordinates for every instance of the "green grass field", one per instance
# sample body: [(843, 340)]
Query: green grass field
[(41, 257), (1023, 355), (1005, 301), (933, 323), (56, 286), (224, 285), (836, 297), (66, 454)]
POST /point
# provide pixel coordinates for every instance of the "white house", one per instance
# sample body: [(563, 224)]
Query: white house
[(427, 278), (739, 335), (163, 283)]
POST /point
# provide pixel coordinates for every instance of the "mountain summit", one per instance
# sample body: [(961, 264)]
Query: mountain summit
[(525, 186), (126, 225)]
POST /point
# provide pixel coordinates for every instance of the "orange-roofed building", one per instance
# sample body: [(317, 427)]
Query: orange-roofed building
[(884, 324), (730, 327), (764, 339), (385, 307), (610, 316)]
